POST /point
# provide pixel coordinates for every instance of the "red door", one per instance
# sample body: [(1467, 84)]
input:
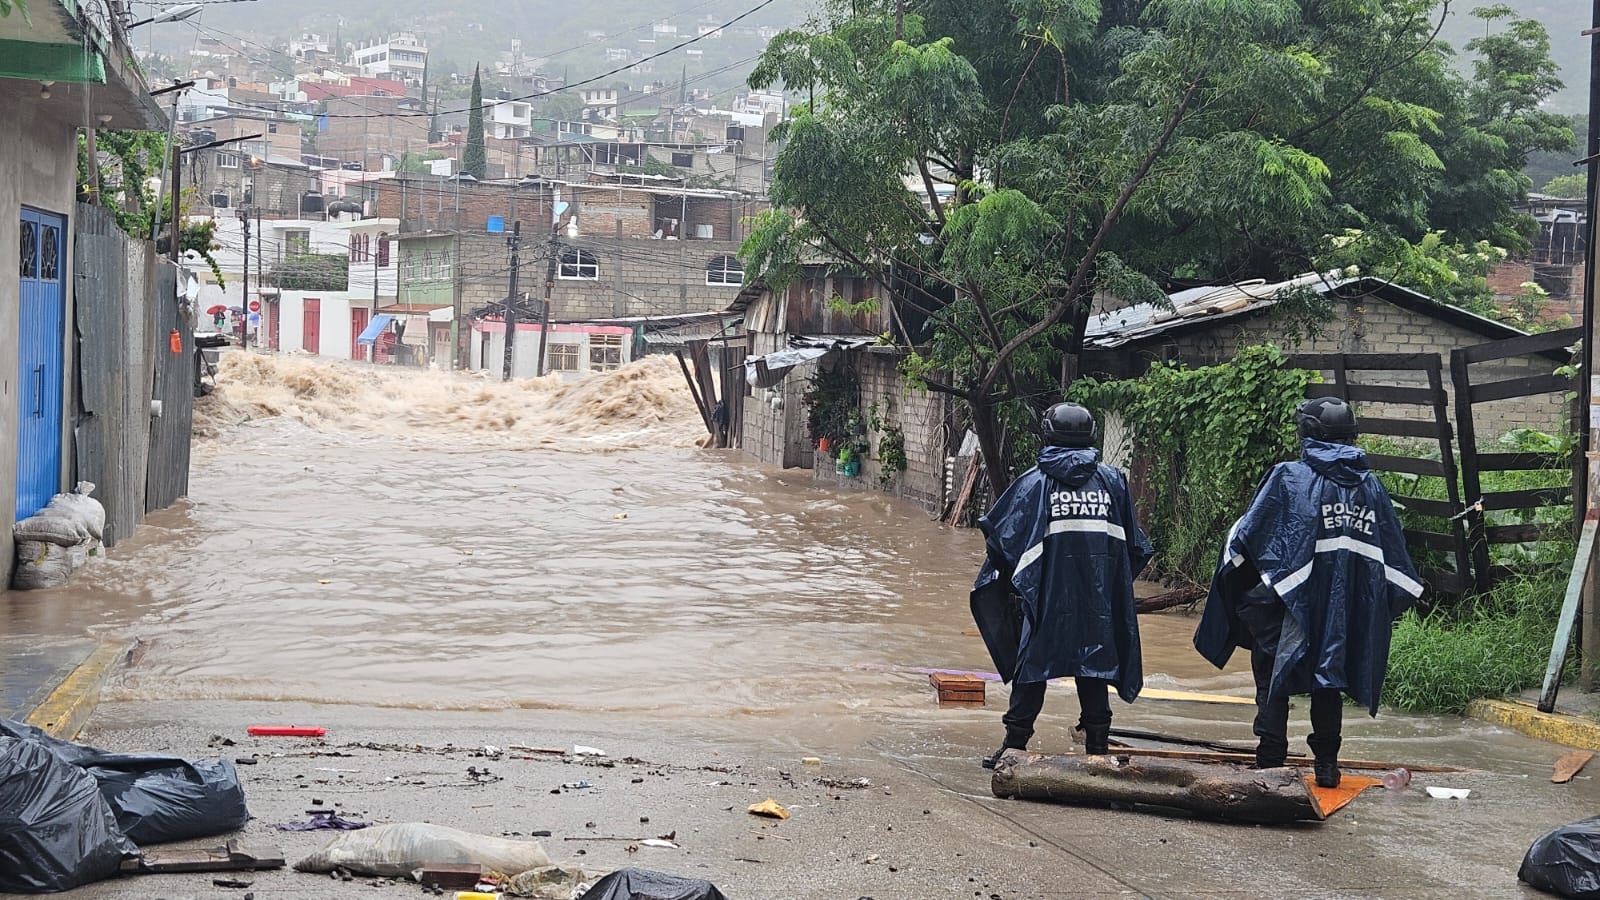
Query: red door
[(311, 333), (358, 323), (272, 325)]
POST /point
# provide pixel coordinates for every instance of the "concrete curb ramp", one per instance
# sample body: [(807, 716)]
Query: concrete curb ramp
[(67, 709), (1559, 728)]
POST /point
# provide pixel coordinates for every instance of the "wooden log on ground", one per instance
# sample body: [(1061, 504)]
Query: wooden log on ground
[(1180, 597), (1245, 759), (1208, 790)]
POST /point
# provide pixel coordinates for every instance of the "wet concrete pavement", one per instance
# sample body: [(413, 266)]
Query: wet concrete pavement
[(926, 828), (412, 558)]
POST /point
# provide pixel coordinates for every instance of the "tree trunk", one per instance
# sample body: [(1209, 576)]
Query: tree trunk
[(987, 428), (1208, 790)]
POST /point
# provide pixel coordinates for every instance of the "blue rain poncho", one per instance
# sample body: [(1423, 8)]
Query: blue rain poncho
[(1323, 536), (1055, 596)]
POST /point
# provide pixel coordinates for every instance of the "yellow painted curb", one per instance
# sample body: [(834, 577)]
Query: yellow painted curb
[(1559, 728), (68, 708)]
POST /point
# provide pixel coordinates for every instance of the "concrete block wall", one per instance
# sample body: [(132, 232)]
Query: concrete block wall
[(1368, 325), (920, 415), (643, 277), (775, 420)]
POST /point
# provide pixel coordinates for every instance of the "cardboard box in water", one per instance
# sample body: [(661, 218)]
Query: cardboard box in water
[(958, 690)]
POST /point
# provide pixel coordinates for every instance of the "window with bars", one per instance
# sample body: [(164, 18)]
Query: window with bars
[(563, 357), (297, 243), (580, 264), (725, 269), (605, 352), (360, 248)]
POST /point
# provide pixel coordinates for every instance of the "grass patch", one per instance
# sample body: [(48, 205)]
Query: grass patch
[(1498, 646)]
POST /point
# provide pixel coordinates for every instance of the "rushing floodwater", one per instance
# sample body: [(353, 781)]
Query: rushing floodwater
[(417, 540)]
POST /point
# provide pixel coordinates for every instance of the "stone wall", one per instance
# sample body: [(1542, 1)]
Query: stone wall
[(775, 417), (1369, 325), (641, 278)]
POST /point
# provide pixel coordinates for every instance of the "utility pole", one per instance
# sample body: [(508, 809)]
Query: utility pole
[(244, 285), (554, 251), (515, 241), (1589, 490), (899, 19)]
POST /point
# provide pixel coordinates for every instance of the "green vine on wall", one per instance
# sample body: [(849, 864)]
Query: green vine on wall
[(1205, 436), (891, 447)]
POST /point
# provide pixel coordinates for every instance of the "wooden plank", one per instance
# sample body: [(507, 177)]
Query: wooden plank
[(1364, 362), (1568, 618), (232, 858), (1520, 346), (1411, 428), (1387, 393), (1424, 506), (1529, 386), (1432, 540), (1471, 461), (1558, 496), (1569, 765), (1446, 580), (1522, 534), (694, 390), (1408, 464), (1517, 462), (1247, 758)]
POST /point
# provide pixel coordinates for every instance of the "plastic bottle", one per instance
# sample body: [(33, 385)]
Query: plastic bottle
[(1397, 779)]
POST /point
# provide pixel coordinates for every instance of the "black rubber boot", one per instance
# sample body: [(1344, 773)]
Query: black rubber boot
[(1097, 739), (1270, 757), (993, 759), (1325, 758)]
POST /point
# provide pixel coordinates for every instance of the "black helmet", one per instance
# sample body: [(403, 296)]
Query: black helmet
[(1068, 425), (1326, 419)]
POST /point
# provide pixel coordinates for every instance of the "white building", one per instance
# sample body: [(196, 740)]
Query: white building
[(572, 351), (403, 54), (507, 119)]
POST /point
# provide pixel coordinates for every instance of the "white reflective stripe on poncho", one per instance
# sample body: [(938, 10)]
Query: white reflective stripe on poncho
[(1344, 542), (1064, 526)]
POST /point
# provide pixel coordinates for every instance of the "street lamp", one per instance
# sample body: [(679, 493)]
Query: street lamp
[(171, 14)]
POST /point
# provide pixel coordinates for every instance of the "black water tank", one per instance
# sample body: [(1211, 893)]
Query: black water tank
[(220, 199), (311, 202)]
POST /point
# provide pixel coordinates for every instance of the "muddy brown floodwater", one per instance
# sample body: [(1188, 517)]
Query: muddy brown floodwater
[(420, 540)]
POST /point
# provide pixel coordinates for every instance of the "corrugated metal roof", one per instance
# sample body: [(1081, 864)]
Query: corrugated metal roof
[(1213, 303)]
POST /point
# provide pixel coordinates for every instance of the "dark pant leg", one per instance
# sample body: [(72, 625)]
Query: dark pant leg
[(1327, 721), (1027, 699), (1094, 701), (1272, 713)]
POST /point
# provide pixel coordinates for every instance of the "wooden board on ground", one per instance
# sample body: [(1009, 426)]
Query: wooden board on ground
[(1193, 697), (958, 690), (1570, 765), (232, 858), (1210, 756), (1224, 792)]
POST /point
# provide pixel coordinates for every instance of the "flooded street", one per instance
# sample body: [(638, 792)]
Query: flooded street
[(424, 541), (422, 558)]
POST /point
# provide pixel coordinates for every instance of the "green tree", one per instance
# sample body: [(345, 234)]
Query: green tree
[(1567, 187), (1121, 148), (475, 159)]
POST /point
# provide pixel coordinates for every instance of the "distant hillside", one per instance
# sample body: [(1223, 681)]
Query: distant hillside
[(556, 36)]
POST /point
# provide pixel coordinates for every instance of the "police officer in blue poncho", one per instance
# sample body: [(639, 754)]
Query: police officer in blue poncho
[(1311, 580), (1055, 596)]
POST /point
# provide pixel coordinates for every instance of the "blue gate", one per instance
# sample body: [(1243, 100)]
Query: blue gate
[(42, 339)]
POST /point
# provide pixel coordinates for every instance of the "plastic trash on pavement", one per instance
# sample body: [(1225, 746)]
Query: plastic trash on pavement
[(395, 851), (1566, 861), (156, 799), (56, 831), (642, 884)]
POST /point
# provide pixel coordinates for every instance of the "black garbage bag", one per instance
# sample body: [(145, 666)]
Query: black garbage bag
[(156, 799), (642, 884), (56, 830), (1566, 861)]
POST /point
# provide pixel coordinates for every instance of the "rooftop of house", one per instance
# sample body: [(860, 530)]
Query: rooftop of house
[(1208, 305)]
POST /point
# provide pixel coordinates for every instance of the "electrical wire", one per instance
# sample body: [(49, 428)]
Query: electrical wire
[(538, 94)]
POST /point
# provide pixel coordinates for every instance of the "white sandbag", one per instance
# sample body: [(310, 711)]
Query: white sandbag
[(54, 525), (395, 851), (87, 510), (41, 564)]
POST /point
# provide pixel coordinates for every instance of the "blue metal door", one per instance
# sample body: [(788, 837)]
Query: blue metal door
[(42, 337)]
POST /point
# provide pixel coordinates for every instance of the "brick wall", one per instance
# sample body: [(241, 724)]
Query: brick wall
[(438, 204), (1508, 277), (642, 277), (1369, 325)]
